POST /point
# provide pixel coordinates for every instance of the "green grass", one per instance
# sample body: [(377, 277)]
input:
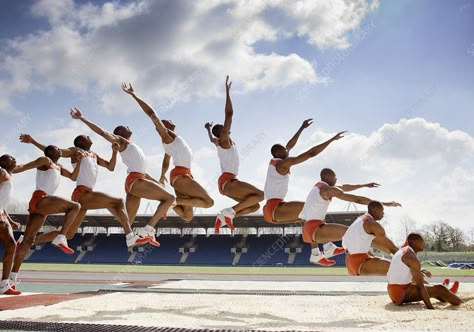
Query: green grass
[(320, 271)]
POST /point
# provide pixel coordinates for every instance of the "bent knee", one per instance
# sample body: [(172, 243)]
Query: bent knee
[(208, 202), (75, 206), (119, 203)]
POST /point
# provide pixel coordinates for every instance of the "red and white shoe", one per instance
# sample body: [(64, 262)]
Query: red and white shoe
[(330, 250), (446, 282), (9, 290), (148, 234), (135, 240), (60, 242), (454, 288), (218, 224), (321, 260)]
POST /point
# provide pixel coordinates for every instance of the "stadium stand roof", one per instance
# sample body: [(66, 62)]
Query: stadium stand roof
[(199, 221)]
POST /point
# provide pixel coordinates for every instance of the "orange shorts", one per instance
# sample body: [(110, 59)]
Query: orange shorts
[(130, 180), (78, 192), (179, 171), (35, 198), (223, 179), (397, 293), (309, 227), (269, 208), (354, 262)]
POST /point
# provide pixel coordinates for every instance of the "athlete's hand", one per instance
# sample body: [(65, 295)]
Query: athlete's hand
[(15, 225), (25, 138), (208, 125), (128, 89), (307, 123), (372, 185), (75, 113), (426, 273), (227, 84), (115, 147), (162, 181), (392, 204), (339, 135)]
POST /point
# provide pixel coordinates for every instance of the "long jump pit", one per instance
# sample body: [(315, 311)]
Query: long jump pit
[(230, 305)]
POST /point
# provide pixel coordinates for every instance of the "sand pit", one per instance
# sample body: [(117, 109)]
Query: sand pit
[(321, 312)]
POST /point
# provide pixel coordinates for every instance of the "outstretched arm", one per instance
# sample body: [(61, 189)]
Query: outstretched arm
[(284, 165), (351, 187), (65, 153), (292, 142), (112, 138), (337, 192), (110, 165), (160, 127), (40, 162), (229, 112), (164, 168), (208, 127)]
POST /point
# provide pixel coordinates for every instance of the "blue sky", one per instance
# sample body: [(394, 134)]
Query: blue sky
[(362, 68)]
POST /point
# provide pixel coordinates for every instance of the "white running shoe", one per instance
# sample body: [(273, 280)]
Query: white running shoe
[(148, 234), (60, 242), (135, 240)]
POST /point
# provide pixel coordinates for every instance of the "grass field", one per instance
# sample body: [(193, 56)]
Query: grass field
[(320, 271)]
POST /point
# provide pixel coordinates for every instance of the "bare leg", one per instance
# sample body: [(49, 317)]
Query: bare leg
[(185, 212), (197, 195), (243, 192), (150, 190), (288, 212), (48, 237), (35, 221), (329, 233), (8, 241), (374, 266), (132, 204), (53, 204), (439, 292), (91, 200)]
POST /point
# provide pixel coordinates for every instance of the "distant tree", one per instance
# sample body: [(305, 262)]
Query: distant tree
[(439, 234), (408, 225), (456, 238)]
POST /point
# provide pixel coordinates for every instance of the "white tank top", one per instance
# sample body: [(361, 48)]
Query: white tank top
[(399, 273), (315, 207), (229, 158), (48, 181), (180, 151), (88, 171), (276, 185), (356, 240), (134, 158), (6, 193)]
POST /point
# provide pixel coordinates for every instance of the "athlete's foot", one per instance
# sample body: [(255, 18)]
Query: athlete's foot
[(148, 232), (60, 242), (134, 240), (454, 288), (218, 223), (330, 250), (7, 289), (446, 282), (321, 260), (229, 215)]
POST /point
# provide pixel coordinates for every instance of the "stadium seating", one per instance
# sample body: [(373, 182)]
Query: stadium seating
[(264, 250)]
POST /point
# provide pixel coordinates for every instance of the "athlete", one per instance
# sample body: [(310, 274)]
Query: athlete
[(244, 193), (189, 193)]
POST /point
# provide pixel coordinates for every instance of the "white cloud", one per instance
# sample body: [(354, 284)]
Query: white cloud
[(89, 49)]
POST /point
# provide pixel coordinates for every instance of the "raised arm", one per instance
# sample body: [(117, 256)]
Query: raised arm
[(381, 241), (351, 187), (331, 192), (112, 138), (40, 162), (110, 165), (292, 142), (229, 112), (284, 165), (160, 127), (208, 127), (65, 153), (164, 168), (415, 267)]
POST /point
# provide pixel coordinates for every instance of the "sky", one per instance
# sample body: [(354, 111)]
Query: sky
[(397, 75)]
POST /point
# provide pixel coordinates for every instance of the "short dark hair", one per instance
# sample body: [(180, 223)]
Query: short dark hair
[(375, 205), (77, 140), (216, 131), (275, 148), (413, 237), (3, 160), (119, 130), (49, 150), (327, 172)]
